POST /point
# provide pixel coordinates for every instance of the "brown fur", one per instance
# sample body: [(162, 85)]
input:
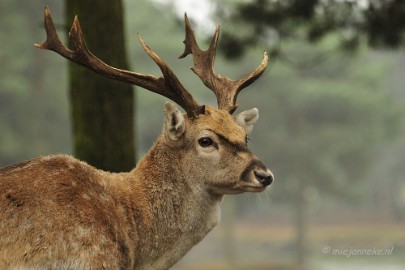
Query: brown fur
[(60, 213)]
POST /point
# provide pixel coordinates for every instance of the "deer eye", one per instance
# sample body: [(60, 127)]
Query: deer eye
[(205, 142)]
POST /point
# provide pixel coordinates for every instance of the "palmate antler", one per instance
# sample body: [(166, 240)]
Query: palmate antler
[(168, 85)]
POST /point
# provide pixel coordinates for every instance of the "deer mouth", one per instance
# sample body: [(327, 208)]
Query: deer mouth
[(256, 183), (251, 187)]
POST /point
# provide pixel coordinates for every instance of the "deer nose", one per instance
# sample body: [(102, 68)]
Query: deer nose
[(265, 177)]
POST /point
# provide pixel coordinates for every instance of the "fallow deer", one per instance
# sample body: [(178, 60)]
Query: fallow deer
[(57, 212)]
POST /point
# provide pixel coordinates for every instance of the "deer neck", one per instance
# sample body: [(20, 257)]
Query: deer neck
[(176, 215)]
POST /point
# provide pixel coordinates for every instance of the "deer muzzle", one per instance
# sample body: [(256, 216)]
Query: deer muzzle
[(265, 177), (258, 171)]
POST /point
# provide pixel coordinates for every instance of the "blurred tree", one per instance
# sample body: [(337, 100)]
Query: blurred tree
[(102, 109), (378, 21)]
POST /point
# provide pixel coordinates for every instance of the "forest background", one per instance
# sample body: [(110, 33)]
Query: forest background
[(331, 128)]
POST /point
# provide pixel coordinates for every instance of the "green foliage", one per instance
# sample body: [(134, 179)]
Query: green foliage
[(379, 22)]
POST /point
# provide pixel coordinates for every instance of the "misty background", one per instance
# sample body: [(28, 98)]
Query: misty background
[(331, 127)]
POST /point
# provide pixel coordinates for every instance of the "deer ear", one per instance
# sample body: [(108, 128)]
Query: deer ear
[(247, 119), (174, 124)]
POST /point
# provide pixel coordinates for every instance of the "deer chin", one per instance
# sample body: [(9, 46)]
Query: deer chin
[(237, 188), (250, 187)]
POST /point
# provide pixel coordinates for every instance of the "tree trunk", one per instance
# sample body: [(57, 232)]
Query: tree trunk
[(101, 109)]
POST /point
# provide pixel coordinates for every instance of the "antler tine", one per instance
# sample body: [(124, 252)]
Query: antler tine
[(176, 92), (225, 89), (168, 85)]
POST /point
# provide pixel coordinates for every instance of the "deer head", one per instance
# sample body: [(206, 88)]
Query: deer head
[(219, 139)]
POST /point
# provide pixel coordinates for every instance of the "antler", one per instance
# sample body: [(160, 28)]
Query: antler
[(225, 89), (168, 85)]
